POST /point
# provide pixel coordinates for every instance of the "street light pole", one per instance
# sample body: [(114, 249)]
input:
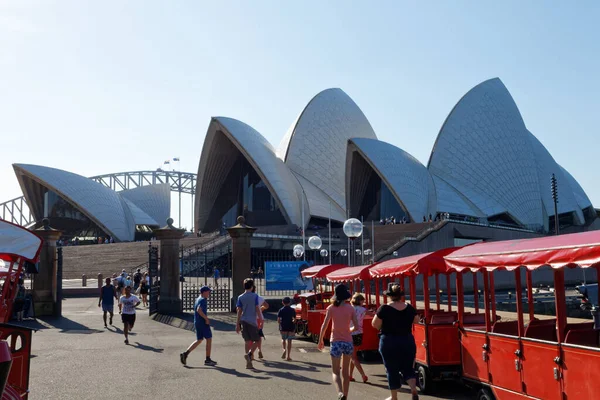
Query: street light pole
[(554, 188)]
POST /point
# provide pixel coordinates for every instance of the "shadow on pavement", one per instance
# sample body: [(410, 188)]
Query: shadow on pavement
[(65, 325), (288, 365), (219, 322), (293, 377), (140, 346), (231, 371)]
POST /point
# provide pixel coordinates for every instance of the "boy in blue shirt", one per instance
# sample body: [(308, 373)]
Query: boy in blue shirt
[(287, 321), (202, 325)]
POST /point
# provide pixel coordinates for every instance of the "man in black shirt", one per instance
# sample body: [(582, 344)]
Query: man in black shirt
[(137, 278)]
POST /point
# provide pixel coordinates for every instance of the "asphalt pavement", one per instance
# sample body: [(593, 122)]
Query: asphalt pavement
[(75, 357)]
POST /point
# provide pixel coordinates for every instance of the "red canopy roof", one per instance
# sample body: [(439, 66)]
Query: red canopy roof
[(581, 249), (18, 242), (351, 273), (320, 271), (426, 263)]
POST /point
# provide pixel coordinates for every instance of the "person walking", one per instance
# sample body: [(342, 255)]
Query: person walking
[(137, 278), (144, 290), (341, 315), (127, 305), (19, 303), (107, 300), (286, 317), (248, 318), (263, 306), (202, 326), (358, 301), (217, 275), (128, 282), (397, 344)]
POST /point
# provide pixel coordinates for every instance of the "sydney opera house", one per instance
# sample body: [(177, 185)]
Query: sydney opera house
[(485, 166)]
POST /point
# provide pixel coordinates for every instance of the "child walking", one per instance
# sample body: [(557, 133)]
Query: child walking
[(286, 317), (358, 301)]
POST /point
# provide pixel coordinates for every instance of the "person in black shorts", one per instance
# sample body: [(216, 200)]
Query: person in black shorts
[(127, 305)]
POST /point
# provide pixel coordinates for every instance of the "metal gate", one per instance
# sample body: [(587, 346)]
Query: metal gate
[(208, 265), (154, 279)]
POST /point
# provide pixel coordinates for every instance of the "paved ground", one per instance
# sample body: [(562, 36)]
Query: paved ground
[(77, 358)]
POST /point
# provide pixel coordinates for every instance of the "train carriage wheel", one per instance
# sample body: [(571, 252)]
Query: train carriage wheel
[(315, 338), (485, 394), (424, 379)]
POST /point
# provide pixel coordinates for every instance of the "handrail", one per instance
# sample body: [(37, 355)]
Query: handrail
[(436, 227)]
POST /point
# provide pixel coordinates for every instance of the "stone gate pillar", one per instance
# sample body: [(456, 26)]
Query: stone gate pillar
[(45, 285), (241, 236), (169, 301)]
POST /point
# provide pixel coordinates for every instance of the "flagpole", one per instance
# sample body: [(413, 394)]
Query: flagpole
[(329, 232)]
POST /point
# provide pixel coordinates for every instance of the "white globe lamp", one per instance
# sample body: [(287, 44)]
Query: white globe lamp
[(315, 242)]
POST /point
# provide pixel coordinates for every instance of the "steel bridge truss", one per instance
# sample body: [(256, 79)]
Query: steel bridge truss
[(17, 211)]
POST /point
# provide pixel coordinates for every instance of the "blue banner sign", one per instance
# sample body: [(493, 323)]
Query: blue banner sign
[(285, 275)]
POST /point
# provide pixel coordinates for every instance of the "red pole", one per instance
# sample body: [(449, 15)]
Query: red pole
[(530, 294), (402, 282), (493, 295), (486, 302), (520, 322), (476, 292), (413, 291), (449, 289), (460, 298), (377, 303), (561, 304), (437, 291), (368, 292), (425, 296), (384, 288)]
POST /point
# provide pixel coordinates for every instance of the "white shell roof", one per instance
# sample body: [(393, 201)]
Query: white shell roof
[(315, 145), (404, 175), (452, 201), (138, 217), (546, 166), (483, 150), (282, 184), (99, 203), (153, 200), (582, 199), (318, 202)]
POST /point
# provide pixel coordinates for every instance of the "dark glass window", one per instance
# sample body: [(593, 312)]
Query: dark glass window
[(244, 193), (379, 203)]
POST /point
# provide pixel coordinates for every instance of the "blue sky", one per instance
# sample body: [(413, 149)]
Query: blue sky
[(99, 87)]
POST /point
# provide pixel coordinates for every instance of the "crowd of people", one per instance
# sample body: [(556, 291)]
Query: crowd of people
[(346, 315), (124, 289)]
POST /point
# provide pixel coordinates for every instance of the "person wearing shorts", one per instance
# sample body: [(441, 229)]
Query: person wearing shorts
[(202, 326), (358, 301), (263, 305), (286, 317), (127, 305), (342, 316), (108, 295), (248, 318)]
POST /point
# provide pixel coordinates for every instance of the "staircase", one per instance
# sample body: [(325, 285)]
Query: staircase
[(108, 259), (389, 238)]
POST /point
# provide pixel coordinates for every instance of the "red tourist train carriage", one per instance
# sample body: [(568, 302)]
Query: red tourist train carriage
[(308, 310), (436, 336), (17, 245), (547, 359)]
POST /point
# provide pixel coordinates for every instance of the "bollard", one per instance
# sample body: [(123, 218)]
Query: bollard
[(100, 281), (84, 280)]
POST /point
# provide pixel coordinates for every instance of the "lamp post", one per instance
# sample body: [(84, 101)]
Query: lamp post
[(353, 228)]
